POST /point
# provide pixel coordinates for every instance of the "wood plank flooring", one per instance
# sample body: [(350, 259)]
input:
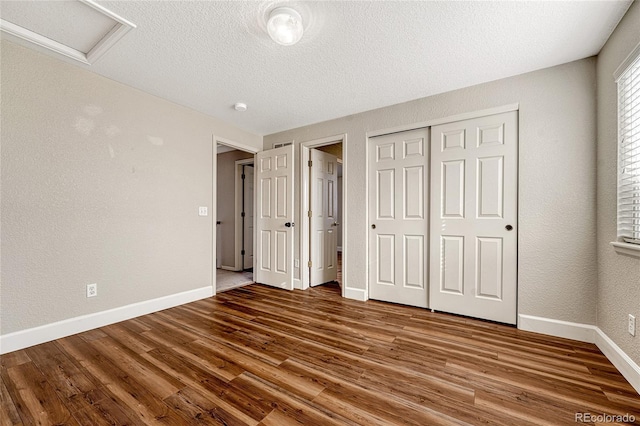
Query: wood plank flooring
[(262, 356)]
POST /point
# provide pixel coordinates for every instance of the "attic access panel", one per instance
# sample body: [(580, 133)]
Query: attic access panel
[(79, 29)]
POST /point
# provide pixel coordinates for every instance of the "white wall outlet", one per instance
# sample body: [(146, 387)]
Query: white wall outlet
[(631, 328), (92, 290), (203, 211)]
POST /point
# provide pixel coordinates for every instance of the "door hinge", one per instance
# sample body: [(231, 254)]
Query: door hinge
[(309, 264), (242, 252), (309, 214), (242, 214), (310, 163)]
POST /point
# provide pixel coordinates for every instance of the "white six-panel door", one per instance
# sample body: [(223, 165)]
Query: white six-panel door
[(323, 236), (398, 216), (473, 268), (274, 221)]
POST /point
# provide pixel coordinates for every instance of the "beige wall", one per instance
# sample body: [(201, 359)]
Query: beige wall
[(226, 178), (618, 275), (557, 256), (101, 183)]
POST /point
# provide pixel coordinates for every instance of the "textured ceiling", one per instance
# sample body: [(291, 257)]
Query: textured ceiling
[(354, 56)]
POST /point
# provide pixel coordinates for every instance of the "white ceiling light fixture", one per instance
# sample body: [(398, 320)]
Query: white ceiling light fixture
[(242, 107), (285, 26)]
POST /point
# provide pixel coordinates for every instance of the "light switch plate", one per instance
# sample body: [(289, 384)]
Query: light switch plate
[(203, 211)]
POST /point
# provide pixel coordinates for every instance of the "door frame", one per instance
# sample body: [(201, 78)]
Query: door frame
[(305, 148), (215, 140), (238, 228), (363, 294)]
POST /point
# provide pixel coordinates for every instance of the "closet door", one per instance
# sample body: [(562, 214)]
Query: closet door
[(398, 209), (474, 182)]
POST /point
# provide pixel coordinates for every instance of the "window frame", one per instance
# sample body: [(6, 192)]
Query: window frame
[(632, 61)]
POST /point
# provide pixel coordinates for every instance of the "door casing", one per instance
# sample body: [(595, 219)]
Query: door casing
[(214, 194)]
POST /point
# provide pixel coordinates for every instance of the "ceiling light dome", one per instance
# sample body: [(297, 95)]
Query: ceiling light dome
[(285, 26)]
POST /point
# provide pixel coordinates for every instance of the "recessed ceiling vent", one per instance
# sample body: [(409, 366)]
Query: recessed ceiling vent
[(280, 145), (80, 29)]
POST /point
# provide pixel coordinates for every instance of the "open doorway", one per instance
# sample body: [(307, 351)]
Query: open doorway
[(322, 239), (234, 217)]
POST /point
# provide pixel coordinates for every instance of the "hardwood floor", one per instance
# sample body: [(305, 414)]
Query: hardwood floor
[(261, 356)]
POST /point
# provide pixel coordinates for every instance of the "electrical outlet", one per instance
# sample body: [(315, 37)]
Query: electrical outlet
[(203, 211), (92, 290), (632, 325)]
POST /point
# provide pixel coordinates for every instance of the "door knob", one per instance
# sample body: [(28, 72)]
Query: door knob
[(508, 227), (373, 226), (335, 224), (289, 224)]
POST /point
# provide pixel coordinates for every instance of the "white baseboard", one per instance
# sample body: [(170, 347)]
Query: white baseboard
[(46, 333), (585, 333), (558, 328), (356, 294), (627, 367)]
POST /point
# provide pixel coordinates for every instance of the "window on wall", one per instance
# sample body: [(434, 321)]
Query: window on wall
[(629, 150)]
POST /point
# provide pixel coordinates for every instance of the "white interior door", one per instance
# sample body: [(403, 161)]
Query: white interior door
[(274, 222), (323, 238), (248, 216), (398, 207), (474, 180)]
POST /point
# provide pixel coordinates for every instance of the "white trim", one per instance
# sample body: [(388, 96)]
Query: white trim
[(121, 28), (343, 206), (625, 365), (304, 203), (297, 284), (355, 293), (236, 145), (628, 61), (48, 332), (626, 248), (444, 120), (558, 328), (238, 210), (585, 333)]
